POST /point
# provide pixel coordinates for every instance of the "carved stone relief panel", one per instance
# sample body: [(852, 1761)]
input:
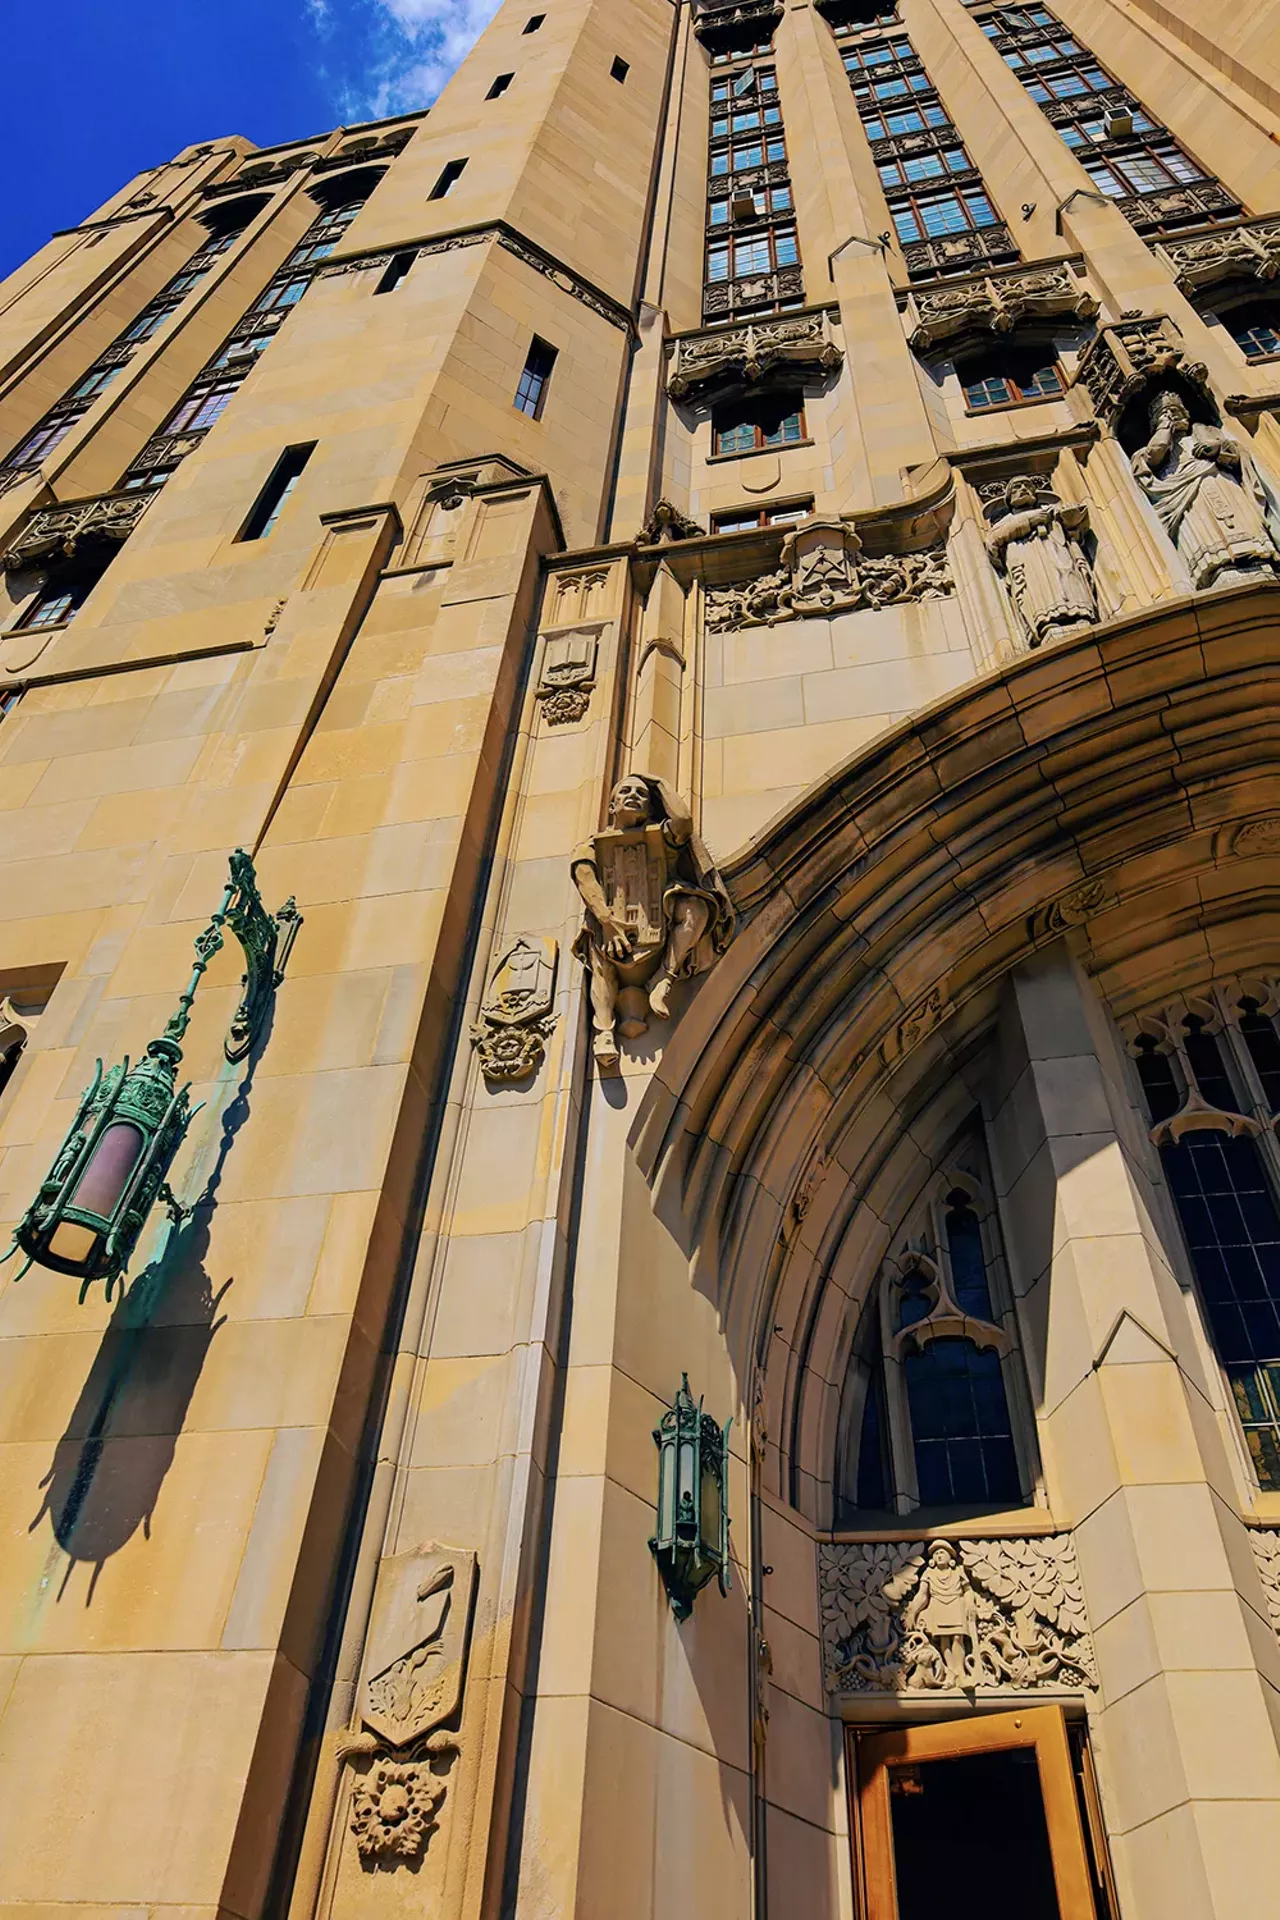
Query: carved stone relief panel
[(962, 1616), (997, 303), (824, 570), (568, 674), (579, 596), (517, 1015)]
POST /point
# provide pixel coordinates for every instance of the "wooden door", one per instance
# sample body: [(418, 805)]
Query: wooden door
[(897, 1764)]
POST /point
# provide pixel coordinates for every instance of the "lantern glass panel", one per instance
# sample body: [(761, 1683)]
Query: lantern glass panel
[(73, 1243), (686, 1510), (102, 1184), (710, 1507)]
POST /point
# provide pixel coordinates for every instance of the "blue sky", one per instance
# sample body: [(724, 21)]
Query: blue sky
[(98, 91)]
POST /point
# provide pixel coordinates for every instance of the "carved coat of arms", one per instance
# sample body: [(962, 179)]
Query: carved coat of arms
[(517, 1015), (417, 1643)]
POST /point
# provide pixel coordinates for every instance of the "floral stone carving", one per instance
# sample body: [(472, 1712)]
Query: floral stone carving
[(963, 1616), (393, 1812), (1233, 252), (997, 304), (516, 1017), (657, 910), (1035, 545), (1266, 1547), (823, 571), (752, 351)]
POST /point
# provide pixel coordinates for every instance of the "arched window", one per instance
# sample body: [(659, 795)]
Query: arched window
[(927, 1420), (1210, 1072)]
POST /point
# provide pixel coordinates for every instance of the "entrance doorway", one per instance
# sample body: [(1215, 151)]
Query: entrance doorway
[(979, 1819)]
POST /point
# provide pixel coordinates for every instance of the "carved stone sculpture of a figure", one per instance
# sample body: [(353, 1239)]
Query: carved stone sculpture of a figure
[(1206, 491), (943, 1612), (1035, 544), (657, 910)]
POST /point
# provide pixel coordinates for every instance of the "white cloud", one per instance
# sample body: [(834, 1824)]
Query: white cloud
[(414, 47)]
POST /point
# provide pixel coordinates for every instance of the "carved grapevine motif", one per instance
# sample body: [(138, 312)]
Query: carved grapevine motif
[(918, 1616)]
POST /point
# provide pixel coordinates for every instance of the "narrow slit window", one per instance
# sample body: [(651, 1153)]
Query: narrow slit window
[(271, 501), (620, 69), (500, 86), (398, 269), (448, 179), (534, 21), (531, 394)]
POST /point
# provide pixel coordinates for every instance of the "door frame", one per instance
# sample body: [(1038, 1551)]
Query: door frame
[(870, 1757)]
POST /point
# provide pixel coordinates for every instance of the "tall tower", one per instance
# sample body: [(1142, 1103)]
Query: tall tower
[(731, 571)]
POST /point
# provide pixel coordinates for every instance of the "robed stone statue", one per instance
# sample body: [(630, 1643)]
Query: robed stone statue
[(1206, 491), (1035, 544), (657, 910)]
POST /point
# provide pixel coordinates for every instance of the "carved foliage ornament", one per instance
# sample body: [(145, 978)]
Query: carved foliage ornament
[(823, 571), (517, 1017), (1266, 1547), (997, 304), (1249, 251), (1128, 358), (57, 531), (750, 352), (959, 1616)]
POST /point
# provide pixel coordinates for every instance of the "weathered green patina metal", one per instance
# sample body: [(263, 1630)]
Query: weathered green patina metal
[(691, 1545), (114, 1164)]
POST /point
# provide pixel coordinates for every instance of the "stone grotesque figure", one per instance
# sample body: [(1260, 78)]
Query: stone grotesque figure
[(1035, 544), (657, 910), (1206, 491)]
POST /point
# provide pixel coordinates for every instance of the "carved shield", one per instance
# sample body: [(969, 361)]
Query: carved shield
[(633, 872), (418, 1642), (523, 983)]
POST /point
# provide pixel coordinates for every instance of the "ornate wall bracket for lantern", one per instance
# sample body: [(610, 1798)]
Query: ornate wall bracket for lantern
[(114, 1164), (691, 1545)]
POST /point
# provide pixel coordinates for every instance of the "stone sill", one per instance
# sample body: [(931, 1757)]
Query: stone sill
[(756, 453)]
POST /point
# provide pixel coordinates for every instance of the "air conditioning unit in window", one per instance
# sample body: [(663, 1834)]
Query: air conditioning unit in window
[(743, 206), (1119, 123)]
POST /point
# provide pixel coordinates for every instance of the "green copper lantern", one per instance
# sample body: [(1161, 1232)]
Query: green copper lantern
[(691, 1545), (114, 1164)]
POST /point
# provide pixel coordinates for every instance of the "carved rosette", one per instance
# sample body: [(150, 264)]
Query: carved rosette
[(393, 1812), (962, 1616)]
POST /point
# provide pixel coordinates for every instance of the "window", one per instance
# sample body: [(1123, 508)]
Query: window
[(398, 269), (500, 86), (50, 609), (448, 180), (941, 214), (531, 394), (739, 519), (1255, 328), (761, 423), (1210, 1074), (271, 501), (927, 1417), (33, 449), (620, 69), (532, 24), (1129, 156), (200, 410), (1008, 380), (749, 189)]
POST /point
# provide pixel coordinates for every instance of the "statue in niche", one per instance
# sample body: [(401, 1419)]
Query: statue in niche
[(657, 910), (1035, 544), (1206, 491)]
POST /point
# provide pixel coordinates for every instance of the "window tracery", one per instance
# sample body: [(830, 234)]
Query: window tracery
[(753, 256), (1209, 1066), (938, 202), (929, 1417), (1129, 156)]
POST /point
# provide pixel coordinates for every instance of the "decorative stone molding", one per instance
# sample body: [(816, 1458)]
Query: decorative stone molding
[(367, 146), (752, 351), (667, 524), (1248, 251), (722, 25), (824, 571), (760, 291), (1071, 909), (1266, 1548), (512, 242), (56, 532), (1131, 356), (1257, 836), (568, 675), (953, 252), (924, 1018), (963, 1616), (1035, 546), (998, 303), (517, 1017)]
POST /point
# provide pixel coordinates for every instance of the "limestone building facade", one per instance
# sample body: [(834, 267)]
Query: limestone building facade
[(706, 1335)]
